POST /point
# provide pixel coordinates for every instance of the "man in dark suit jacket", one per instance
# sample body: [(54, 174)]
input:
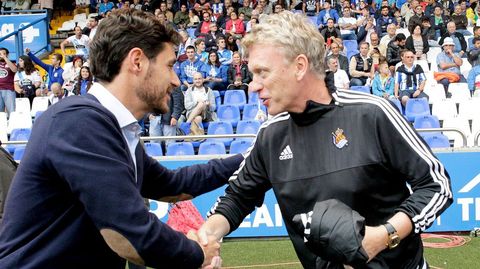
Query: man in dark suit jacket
[(77, 200)]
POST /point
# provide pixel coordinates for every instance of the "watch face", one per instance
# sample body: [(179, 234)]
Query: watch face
[(394, 241)]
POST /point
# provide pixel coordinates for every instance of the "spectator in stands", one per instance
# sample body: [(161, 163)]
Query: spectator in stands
[(231, 42), (439, 22), (366, 29), (181, 18), (310, 7), (246, 10), (330, 33), (410, 79), (58, 93), (448, 7), (374, 43), (164, 10), (417, 42), (71, 71), (429, 32), (408, 10), (7, 88), (81, 6), (79, 42), (54, 70), (384, 21), (360, 66), (194, 21), (203, 27), (383, 84), (199, 102), (267, 7), (202, 6), (200, 52), (92, 25), (416, 18), (27, 79), (449, 65), (185, 42), (399, 20), (472, 12), (385, 40), (215, 72), (342, 82), (476, 33), (22, 5), (147, 6), (104, 7), (136, 5), (342, 60), (188, 68), (327, 13), (225, 55), (217, 9), (166, 124), (457, 37), (393, 50), (47, 5), (211, 39), (474, 59), (460, 20), (348, 25), (429, 9), (235, 26), (252, 22), (238, 75), (84, 81)]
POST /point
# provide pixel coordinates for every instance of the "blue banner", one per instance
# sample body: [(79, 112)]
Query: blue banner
[(34, 37), (462, 215)]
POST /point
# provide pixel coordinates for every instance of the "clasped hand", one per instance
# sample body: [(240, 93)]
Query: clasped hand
[(210, 247)]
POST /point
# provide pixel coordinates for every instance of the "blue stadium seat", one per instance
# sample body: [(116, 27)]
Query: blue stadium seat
[(251, 110), (153, 149), (229, 113), (180, 148), (416, 107), (427, 121), (437, 141), (211, 148), (235, 97), (218, 128), (247, 127), (365, 89), (397, 104), (22, 134), (191, 32), (218, 98), (239, 146), (253, 97), (38, 113), (18, 153), (351, 53), (350, 45)]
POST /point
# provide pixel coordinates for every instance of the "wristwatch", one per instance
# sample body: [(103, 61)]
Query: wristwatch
[(393, 238)]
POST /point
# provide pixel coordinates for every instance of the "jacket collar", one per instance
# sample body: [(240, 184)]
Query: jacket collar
[(312, 112)]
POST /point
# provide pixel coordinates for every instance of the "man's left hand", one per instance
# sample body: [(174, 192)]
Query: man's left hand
[(375, 240), (416, 93)]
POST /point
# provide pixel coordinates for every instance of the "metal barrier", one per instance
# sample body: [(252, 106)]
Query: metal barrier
[(464, 137), (19, 32), (475, 139), (182, 137)]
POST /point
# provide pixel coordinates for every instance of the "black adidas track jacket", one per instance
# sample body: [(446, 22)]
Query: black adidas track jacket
[(359, 150)]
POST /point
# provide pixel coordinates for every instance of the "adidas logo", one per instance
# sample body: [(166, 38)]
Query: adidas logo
[(286, 153)]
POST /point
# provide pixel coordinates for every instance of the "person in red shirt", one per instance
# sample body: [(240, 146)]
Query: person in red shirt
[(235, 26), (7, 90), (204, 27)]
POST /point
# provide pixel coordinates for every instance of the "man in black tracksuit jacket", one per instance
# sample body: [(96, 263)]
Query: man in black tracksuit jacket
[(343, 145)]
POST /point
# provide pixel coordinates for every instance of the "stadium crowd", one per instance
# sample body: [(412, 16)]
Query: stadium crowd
[(380, 47)]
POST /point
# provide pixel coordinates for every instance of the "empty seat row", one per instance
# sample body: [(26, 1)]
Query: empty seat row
[(206, 148)]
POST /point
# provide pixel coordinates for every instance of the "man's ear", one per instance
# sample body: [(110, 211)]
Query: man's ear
[(301, 66), (136, 60)]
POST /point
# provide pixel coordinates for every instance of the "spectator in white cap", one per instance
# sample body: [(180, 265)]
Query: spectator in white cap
[(449, 65)]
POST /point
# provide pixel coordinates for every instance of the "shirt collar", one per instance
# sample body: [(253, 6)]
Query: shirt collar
[(112, 104)]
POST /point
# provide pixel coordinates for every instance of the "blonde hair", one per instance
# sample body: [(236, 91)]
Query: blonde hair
[(294, 34)]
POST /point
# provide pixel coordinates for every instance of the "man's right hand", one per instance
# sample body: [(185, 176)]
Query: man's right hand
[(211, 250), (27, 50)]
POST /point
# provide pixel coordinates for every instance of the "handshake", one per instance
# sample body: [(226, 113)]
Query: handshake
[(210, 246)]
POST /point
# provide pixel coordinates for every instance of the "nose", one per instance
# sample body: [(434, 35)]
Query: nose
[(175, 81), (254, 86)]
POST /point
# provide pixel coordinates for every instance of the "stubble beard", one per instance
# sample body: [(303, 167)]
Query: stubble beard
[(152, 95)]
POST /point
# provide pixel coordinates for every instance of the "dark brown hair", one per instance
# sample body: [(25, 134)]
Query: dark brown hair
[(122, 31)]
